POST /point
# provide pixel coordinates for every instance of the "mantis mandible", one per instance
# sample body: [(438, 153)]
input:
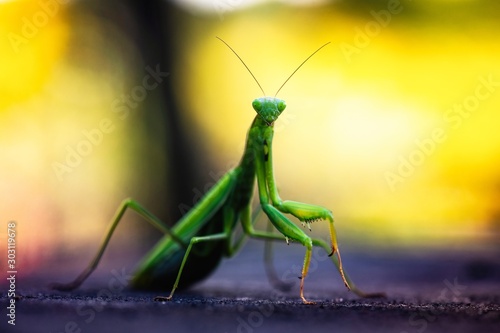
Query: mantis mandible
[(194, 246)]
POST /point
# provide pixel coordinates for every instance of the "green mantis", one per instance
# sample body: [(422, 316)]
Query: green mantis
[(192, 248)]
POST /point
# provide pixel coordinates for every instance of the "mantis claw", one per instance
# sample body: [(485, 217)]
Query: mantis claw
[(306, 223), (162, 298)]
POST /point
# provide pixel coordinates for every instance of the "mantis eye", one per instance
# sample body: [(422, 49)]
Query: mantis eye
[(257, 105), (281, 106)]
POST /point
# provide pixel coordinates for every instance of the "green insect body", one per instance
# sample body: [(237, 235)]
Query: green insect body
[(192, 249)]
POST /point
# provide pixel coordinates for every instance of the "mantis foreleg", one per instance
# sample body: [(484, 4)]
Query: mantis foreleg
[(269, 236), (275, 208), (273, 278)]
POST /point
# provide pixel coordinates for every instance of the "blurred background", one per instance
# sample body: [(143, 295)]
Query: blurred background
[(393, 126)]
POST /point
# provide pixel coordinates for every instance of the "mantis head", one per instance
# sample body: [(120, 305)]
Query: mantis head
[(268, 108)]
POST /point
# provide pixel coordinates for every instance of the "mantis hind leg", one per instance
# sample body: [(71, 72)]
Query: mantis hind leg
[(286, 227), (194, 220), (127, 203)]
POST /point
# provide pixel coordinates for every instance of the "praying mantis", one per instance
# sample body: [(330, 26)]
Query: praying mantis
[(192, 248)]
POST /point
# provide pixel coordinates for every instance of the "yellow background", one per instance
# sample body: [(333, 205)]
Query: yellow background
[(356, 111)]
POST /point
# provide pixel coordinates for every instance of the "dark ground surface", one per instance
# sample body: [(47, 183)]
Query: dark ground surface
[(444, 292)]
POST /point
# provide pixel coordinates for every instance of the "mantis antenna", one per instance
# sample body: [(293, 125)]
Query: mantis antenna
[(248, 69), (303, 62)]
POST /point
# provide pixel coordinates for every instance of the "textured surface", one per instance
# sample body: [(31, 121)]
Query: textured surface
[(442, 292)]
